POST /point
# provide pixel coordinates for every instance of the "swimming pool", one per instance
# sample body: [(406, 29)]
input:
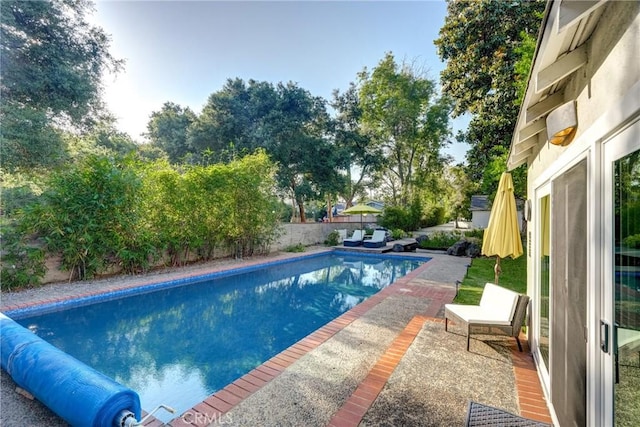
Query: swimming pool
[(187, 339)]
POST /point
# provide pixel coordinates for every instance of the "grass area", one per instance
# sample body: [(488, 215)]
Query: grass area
[(514, 277)]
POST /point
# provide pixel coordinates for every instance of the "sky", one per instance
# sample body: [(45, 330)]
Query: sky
[(183, 51)]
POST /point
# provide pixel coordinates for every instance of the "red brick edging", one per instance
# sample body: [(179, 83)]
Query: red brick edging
[(530, 397), (363, 397)]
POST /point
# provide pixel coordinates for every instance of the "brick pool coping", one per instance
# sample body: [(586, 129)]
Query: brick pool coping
[(530, 397)]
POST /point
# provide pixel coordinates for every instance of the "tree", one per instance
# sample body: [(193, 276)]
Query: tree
[(52, 60), (232, 121), (457, 190), (167, 130), (104, 139), (27, 140), (479, 43), (286, 120), (295, 138), (362, 156), (408, 122)]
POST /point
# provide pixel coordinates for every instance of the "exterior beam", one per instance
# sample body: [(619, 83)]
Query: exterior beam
[(545, 106), (572, 11), (561, 68)]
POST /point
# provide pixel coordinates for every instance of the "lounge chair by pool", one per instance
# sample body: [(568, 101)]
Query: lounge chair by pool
[(378, 240), (501, 311), (355, 240)]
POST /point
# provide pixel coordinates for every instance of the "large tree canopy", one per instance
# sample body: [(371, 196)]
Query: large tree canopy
[(51, 60), (363, 158), (480, 43), (284, 119), (167, 129), (403, 114)]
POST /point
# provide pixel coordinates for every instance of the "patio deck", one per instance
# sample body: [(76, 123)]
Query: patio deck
[(388, 361)]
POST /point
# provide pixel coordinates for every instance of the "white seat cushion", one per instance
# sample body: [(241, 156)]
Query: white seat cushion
[(475, 314), (378, 236), (499, 300), (357, 236)]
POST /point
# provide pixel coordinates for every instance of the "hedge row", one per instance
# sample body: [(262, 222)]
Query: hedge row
[(103, 213)]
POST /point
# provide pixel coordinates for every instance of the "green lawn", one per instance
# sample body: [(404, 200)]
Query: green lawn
[(514, 276)]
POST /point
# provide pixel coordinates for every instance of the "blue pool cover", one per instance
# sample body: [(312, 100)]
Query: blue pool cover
[(79, 394)]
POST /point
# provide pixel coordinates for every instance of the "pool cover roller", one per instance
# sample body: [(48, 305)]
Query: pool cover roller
[(76, 392)]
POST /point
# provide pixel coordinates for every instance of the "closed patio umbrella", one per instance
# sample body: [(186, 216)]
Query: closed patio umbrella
[(361, 209), (502, 236)]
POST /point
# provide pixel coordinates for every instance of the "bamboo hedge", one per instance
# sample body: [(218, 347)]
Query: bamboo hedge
[(104, 214)]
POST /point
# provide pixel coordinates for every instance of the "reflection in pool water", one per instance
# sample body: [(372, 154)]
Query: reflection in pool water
[(178, 345)]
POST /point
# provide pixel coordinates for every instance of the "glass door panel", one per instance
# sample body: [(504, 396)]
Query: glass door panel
[(544, 308), (626, 280), (568, 295)]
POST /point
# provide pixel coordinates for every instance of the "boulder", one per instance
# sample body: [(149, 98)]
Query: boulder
[(422, 237), (473, 250), (458, 249)]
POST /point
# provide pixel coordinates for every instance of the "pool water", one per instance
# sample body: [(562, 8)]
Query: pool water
[(180, 344)]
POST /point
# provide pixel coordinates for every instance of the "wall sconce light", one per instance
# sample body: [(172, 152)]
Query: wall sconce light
[(562, 124)]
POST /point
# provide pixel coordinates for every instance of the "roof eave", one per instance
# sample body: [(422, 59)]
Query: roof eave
[(553, 64)]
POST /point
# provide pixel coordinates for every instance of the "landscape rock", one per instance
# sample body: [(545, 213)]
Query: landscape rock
[(473, 250), (458, 249), (464, 248)]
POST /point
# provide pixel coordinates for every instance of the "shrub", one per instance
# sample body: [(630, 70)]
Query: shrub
[(295, 248), (440, 240), (397, 233), (632, 241), (395, 217), (22, 264), (102, 212), (414, 215), (15, 198), (87, 214), (477, 233), (333, 238), (435, 216), (18, 190)]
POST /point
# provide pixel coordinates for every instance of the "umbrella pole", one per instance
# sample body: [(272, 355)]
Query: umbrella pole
[(497, 270)]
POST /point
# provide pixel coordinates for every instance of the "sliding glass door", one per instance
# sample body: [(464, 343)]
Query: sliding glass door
[(568, 294), (621, 302)]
